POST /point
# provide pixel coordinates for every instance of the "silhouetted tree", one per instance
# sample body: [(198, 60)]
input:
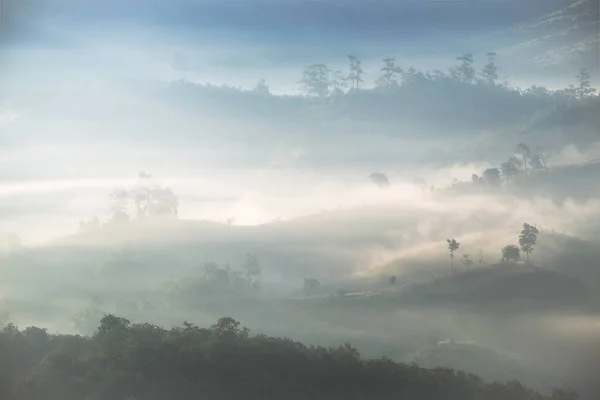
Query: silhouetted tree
[(356, 72), (338, 82), (492, 176), (511, 252), (510, 169), (316, 80), (584, 88), (524, 153), (262, 88), (380, 179), (464, 72), (389, 75), (489, 72), (453, 245), (539, 159), (152, 199), (528, 238), (392, 280)]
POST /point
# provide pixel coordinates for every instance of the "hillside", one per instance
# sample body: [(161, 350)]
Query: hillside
[(505, 286), (134, 361), (487, 363)]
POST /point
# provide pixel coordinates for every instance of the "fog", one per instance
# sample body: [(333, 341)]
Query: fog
[(146, 172)]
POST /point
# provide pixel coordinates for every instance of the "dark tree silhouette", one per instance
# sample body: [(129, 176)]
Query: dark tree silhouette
[(464, 72), (453, 245), (528, 238), (492, 176), (511, 252), (356, 72), (584, 88), (390, 72), (524, 152), (380, 179), (489, 73), (316, 80)]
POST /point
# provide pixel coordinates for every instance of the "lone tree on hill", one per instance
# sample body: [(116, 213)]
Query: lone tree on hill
[(511, 252), (453, 245), (528, 238)]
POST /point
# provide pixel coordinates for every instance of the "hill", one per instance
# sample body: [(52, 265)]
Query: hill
[(490, 365), (505, 286), (134, 361)]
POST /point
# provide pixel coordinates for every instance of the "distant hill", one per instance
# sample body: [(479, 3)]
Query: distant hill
[(502, 287), (489, 364)]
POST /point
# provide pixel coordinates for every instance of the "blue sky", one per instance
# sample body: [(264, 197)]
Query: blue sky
[(252, 35)]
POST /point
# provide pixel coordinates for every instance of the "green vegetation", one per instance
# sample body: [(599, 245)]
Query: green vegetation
[(143, 361)]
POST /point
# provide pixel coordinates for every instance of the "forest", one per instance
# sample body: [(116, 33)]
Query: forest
[(143, 361)]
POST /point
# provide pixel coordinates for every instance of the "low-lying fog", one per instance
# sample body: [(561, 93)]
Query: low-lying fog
[(131, 185)]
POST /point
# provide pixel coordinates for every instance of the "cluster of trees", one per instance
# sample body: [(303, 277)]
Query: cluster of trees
[(318, 80), (524, 161), (217, 282), (527, 239), (122, 360), (147, 199)]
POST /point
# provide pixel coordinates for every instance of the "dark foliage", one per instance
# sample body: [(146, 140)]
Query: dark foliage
[(142, 361)]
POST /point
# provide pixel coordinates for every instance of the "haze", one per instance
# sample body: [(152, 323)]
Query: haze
[(173, 161)]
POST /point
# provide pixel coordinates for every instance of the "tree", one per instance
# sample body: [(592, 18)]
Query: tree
[(511, 252), (356, 72), (392, 280), (492, 176), (480, 258), (489, 72), (316, 80), (510, 168), (389, 71), (477, 180), (525, 154), (528, 238), (584, 88), (262, 88), (464, 72), (380, 179), (311, 286), (338, 82), (539, 159), (466, 261), (152, 199), (453, 245)]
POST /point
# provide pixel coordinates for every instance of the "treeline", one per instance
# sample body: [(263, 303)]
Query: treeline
[(459, 98), (143, 361)]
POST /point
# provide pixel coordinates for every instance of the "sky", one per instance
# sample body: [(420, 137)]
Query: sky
[(72, 122)]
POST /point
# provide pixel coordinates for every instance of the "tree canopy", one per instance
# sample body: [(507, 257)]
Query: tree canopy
[(143, 361)]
